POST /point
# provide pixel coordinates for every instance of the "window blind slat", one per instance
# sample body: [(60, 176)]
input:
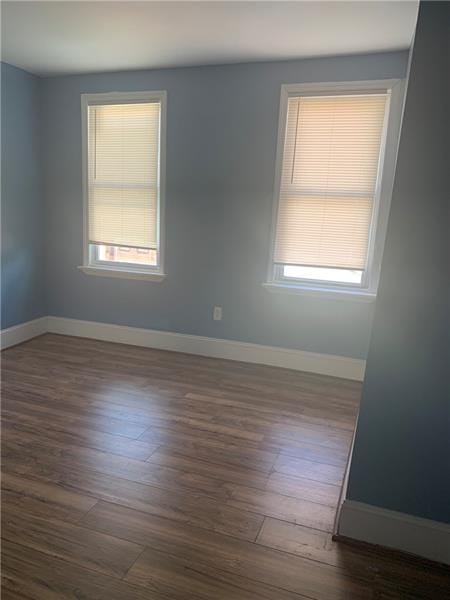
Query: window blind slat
[(329, 174), (123, 174)]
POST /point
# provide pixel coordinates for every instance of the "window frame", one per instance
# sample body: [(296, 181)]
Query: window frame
[(91, 264), (366, 291)]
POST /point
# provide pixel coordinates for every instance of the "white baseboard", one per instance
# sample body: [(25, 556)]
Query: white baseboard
[(423, 537), (23, 332), (324, 364)]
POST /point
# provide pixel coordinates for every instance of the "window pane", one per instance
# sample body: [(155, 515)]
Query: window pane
[(123, 174), (124, 254), (320, 274), (328, 181), (125, 143)]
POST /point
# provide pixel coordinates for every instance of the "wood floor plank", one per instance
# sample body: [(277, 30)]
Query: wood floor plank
[(297, 539), (180, 577), (35, 450), (299, 467), (194, 508), (167, 477), (179, 434), (36, 576), (417, 587), (225, 454), (246, 498), (218, 472), (327, 437), (75, 544), (10, 595), (121, 590), (307, 450), (248, 417), (182, 480), (388, 575), (272, 504), (265, 412), (169, 414), (131, 473), (68, 435), (304, 489), (98, 423), (237, 378), (43, 499), (265, 406), (294, 574)]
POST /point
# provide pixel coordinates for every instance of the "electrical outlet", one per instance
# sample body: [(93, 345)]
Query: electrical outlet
[(217, 313)]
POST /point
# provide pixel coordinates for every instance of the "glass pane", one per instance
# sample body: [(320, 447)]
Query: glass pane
[(323, 274), (124, 254)]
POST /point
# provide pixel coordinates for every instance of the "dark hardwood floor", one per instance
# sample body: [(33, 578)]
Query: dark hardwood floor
[(131, 473)]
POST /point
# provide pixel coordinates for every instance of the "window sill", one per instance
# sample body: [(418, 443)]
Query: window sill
[(321, 292), (122, 273)]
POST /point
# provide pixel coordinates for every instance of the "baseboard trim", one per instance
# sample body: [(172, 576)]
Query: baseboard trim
[(323, 364), (421, 537), (22, 332)]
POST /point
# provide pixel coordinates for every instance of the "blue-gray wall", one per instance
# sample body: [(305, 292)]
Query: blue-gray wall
[(221, 145), (22, 280), (401, 458)]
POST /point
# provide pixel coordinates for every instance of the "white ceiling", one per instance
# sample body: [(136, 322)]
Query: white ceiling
[(59, 37)]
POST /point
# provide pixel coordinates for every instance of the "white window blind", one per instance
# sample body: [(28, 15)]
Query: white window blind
[(123, 174), (328, 180)]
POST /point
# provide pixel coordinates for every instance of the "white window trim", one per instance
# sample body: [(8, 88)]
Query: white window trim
[(129, 273), (124, 270), (382, 198)]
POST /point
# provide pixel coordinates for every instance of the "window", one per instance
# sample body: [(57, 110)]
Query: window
[(123, 143), (329, 229)]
